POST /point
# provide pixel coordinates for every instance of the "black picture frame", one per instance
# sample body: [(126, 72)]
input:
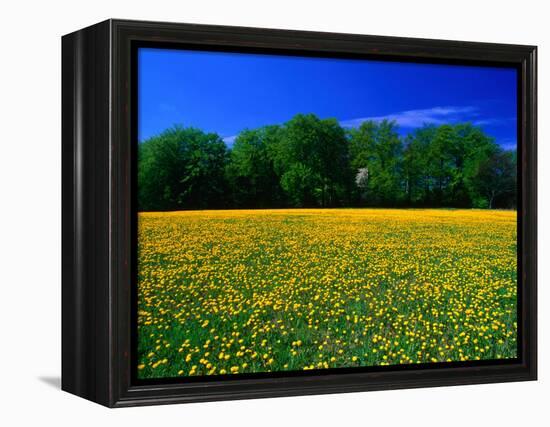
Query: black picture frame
[(98, 211)]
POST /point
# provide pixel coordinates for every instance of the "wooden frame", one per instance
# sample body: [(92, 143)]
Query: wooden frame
[(98, 221)]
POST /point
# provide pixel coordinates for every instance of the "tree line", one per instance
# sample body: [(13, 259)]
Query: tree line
[(313, 162)]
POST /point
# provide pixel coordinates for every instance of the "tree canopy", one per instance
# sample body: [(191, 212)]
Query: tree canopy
[(182, 168), (313, 162)]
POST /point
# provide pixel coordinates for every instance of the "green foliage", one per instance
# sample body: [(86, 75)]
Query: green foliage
[(379, 148), (299, 183), (495, 179), (313, 162), (182, 168), (442, 164), (251, 173)]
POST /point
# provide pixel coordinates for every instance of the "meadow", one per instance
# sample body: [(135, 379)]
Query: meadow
[(247, 291)]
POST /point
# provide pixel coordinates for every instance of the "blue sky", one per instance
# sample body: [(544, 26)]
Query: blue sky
[(228, 92)]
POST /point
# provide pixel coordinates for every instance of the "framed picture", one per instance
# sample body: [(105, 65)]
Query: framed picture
[(258, 213)]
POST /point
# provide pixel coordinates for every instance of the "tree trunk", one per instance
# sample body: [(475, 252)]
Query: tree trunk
[(491, 197)]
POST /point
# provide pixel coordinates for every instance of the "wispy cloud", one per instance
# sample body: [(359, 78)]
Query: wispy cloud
[(418, 118), (410, 119), (508, 144), (229, 140), (493, 121)]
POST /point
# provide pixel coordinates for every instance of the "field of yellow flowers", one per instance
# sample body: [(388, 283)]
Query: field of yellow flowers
[(227, 292)]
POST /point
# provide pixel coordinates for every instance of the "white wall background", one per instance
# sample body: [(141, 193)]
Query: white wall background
[(30, 201)]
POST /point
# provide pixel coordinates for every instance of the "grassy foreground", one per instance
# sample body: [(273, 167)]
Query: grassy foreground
[(223, 292)]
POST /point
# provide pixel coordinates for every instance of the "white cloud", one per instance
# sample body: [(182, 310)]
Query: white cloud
[(508, 144), (229, 140), (418, 118), (493, 122), (427, 116)]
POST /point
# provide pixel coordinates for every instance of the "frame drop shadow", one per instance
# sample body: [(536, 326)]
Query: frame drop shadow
[(52, 381)]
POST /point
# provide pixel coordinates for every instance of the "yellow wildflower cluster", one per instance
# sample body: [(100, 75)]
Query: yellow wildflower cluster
[(230, 292)]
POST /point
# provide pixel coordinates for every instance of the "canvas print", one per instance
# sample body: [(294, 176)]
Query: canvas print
[(306, 213)]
